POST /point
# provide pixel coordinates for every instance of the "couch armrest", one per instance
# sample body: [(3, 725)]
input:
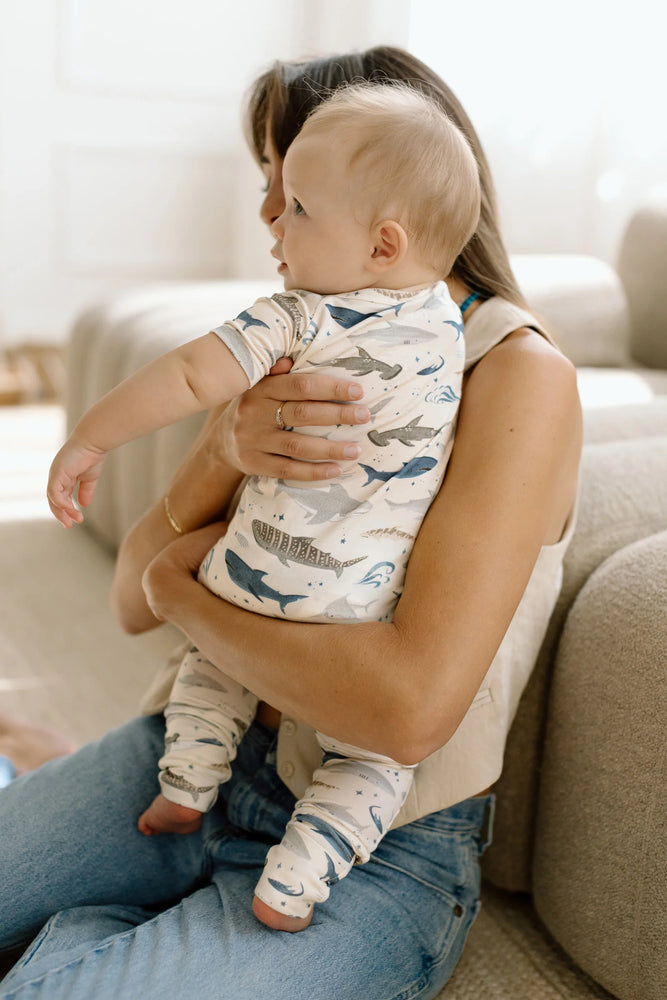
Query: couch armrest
[(110, 342), (601, 840)]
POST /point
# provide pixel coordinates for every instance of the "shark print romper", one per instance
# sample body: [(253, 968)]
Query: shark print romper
[(325, 552)]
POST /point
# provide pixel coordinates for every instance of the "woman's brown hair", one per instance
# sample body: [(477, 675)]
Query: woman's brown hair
[(282, 98)]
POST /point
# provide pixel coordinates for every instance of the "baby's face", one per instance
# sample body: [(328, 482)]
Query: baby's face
[(320, 243)]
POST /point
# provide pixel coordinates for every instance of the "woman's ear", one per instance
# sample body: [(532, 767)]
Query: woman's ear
[(389, 245)]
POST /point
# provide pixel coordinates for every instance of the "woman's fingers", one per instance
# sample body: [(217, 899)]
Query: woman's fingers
[(308, 386), (307, 413)]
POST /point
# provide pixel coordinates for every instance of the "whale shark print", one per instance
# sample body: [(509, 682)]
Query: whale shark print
[(296, 549), (175, 780), (289, 548)]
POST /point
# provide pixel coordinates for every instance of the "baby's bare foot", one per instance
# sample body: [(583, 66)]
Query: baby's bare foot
[(279, 921), (28, 745), (163, 816)]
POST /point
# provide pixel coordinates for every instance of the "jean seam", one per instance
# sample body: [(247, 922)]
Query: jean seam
[(422, 881), (116, 939)]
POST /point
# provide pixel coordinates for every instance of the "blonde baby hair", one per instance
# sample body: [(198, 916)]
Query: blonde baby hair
[(417, 166)]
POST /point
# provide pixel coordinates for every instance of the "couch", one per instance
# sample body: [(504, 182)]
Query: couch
[(575, 882)]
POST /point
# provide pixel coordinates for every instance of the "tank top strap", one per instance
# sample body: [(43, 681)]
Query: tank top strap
[(494, 320)]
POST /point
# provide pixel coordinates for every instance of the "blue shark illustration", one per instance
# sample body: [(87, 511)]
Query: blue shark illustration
[(348, 317), (364, 364), (211, 741), (417, 466), (376, 818), (407, 434), (457, 326), (432, 369), (252, 581), (286, 890), (330, 877), (250, 320), (335, 840)]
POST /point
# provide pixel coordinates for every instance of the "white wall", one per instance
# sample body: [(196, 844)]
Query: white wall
[(121, 157), (569, 101)]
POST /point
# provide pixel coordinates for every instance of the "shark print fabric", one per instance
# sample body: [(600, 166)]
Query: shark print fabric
[(325, 552)]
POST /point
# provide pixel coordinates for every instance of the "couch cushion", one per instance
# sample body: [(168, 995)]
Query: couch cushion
[(623, 499), (510, 956), (582, 302), (601, 838)]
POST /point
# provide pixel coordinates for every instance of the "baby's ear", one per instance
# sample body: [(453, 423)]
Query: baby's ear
[(389, 246)]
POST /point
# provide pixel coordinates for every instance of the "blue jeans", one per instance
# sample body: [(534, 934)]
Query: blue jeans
[(114, 915)]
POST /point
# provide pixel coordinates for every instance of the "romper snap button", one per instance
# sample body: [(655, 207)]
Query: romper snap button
[(458, 910)]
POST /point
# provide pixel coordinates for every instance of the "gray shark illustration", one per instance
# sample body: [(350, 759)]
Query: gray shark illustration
[(396, 335), (201, 680), (330, 504), (299, 549), (341, 610), (291, 307), (176, 781), (407, 434), (364, 364), (252, 581), (418, 506), (417, 466)]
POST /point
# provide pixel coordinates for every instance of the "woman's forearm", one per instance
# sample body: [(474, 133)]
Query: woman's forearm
[(402, 688), (199, 493)]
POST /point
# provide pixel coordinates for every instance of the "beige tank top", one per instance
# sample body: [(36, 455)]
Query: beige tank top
[(472, 759)]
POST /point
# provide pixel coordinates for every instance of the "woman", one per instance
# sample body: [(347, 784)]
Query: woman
[(171, 915)]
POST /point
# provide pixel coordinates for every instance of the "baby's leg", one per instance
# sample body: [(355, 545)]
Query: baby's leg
[(346, 810), (206, 717)]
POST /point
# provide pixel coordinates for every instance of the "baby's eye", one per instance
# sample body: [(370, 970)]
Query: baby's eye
[(298, 208)]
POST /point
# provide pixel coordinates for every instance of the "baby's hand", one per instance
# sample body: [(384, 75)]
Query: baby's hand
[(74, 465)]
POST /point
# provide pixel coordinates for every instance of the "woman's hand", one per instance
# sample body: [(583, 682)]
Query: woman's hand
[(247, 435), (170, 575)]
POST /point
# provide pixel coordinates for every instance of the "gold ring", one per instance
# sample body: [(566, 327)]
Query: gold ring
[(279, 417)]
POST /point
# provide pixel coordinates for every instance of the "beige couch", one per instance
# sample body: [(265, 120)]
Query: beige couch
[(575, 881)]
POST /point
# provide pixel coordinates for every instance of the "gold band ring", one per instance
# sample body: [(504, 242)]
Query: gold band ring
[(279, 417)]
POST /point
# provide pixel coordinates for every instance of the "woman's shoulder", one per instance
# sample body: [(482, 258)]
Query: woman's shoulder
[(493, 321)]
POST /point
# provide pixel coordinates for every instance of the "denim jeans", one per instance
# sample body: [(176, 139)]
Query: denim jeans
[(114, 915)]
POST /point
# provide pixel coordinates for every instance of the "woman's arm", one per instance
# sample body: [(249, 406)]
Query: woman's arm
[(508, 489), (215, 466)]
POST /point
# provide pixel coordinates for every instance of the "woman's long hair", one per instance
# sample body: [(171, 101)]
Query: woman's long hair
[(282, 98)]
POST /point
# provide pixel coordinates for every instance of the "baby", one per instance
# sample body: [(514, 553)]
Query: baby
[(381, 195)]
